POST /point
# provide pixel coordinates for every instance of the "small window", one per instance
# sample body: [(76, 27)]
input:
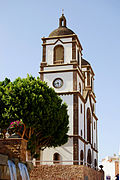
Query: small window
[(95, 164), (79, 87), (58, 54), (81, 108), (56, 158), (88, 125), (81, 157), (81, 132)]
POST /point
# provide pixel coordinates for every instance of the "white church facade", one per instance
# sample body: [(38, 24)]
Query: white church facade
[(72, 77)]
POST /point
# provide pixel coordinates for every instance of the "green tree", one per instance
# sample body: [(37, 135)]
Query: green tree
[(40, 109), (3, 105)]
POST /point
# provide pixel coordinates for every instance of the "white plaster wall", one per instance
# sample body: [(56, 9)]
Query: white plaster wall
[(66, 39), (68, 99), (93, 102), (88, 146), (67, 53), (67, 80), (67, 50), (79, 56), (50, 41), (49, 54), (94, 132), (85, 79), (79, 81), (55, 68), (65, 151), (85, 69)]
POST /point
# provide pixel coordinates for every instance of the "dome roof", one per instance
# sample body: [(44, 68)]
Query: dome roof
[(62, 29), (84, 62)]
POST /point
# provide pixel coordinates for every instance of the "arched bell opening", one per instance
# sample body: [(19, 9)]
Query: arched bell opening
[(58, 54)]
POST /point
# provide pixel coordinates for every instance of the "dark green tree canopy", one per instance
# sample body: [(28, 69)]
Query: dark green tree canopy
[(3, 104), (40, 109)]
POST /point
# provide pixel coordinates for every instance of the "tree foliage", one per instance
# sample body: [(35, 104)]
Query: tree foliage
[(3, 104), (40, 109)]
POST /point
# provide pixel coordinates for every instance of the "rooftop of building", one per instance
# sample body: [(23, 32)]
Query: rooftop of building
[(62, 29)]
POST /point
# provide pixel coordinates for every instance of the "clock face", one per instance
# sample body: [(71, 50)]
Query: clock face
[(57, 83)]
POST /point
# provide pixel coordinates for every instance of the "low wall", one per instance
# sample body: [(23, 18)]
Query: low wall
[(4, 169), (14, 148), (65, 172)]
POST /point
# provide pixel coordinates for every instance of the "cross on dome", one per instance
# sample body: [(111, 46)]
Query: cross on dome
[(62, 11), (62, 20)]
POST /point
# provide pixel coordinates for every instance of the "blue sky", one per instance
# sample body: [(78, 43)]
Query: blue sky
[(96, 22)]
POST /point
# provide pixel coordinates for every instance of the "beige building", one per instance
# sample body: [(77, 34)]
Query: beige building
[(64, 68), (110, 167)]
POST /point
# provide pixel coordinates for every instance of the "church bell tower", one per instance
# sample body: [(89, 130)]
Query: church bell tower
[(72, 77)]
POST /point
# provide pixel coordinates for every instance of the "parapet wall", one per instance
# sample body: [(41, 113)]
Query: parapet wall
[(65, 172), (14, 148)]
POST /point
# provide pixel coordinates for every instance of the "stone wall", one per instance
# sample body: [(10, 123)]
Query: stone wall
[(4, 169), (65, 172), (14, 148)]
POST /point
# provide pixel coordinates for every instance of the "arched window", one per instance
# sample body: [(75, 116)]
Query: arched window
[(81, 133), (58, 54), (79, 87), (94, 125), (81, 157), (95, 163), (88, 125), (89, 158), (81, 108), (56, 158)]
